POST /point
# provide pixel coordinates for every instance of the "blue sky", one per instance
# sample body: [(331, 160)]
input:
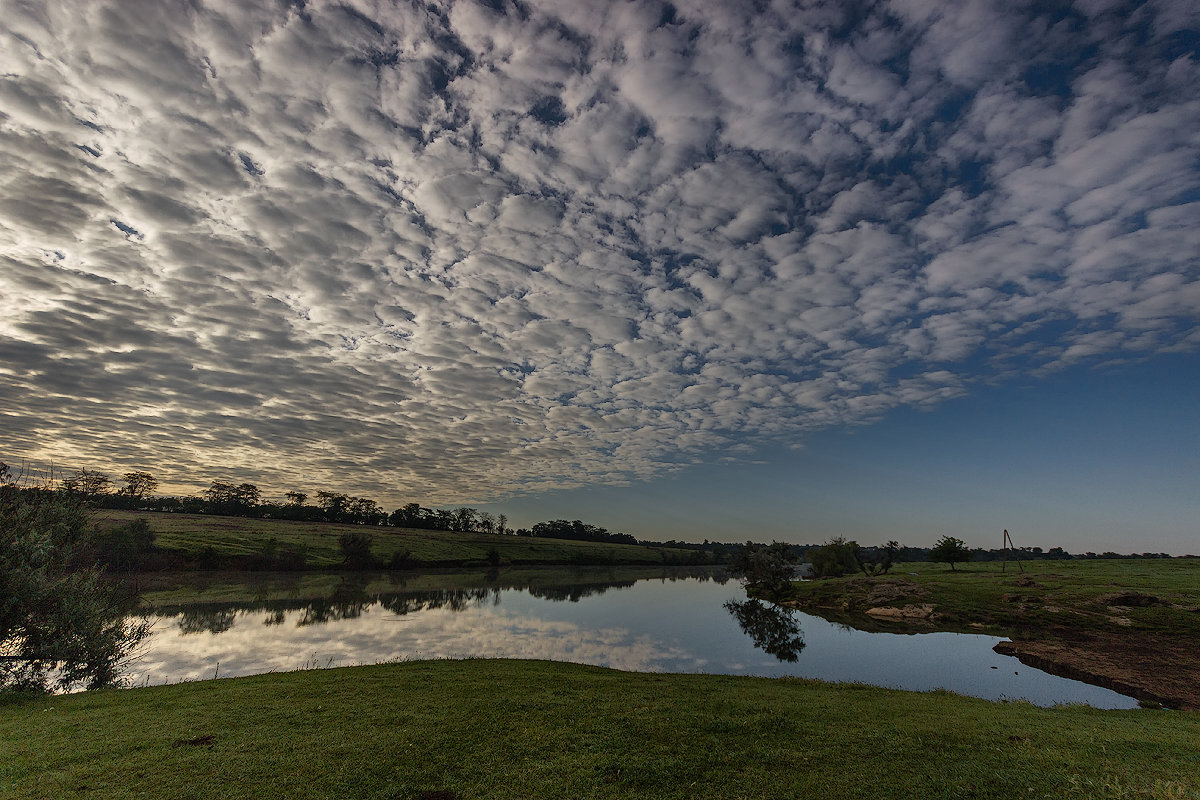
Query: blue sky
[(1090, 460), (888, 270)]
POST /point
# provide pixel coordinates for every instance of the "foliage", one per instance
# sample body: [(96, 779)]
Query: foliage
[(139, 484), (769, 568), (878, 560), (948, 550), (772, 628), (227, 498), (835, 558), (62, 623), (577, 530), (127, 547), (356, 550), (87, 483)]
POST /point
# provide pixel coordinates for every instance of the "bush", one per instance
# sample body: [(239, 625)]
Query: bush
[(128, 547), (356, 550), (402, 559)]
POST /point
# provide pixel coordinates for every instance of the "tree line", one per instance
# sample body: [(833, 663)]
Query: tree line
[(135, 491)]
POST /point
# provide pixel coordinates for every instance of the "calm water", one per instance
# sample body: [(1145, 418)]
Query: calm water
[(608, 618)]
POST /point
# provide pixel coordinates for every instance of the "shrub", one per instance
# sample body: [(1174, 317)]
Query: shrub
[(356, 550)]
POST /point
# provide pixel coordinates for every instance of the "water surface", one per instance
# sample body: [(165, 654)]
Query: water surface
[(651, 623)]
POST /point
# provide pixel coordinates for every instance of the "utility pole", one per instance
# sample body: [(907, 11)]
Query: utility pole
[(1008, 545)]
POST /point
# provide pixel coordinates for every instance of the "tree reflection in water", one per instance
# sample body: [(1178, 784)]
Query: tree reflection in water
[(355, 593), (772, 628)]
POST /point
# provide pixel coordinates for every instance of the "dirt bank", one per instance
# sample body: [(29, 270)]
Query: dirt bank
[(1149, 667)]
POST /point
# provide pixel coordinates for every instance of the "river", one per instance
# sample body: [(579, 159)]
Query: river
[(624, 618)]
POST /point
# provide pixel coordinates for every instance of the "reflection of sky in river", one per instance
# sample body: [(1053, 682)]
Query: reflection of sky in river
[(653, 626)]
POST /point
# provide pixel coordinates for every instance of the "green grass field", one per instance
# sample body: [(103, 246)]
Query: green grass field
[(521, 729), (242, 536), (1077, 593)]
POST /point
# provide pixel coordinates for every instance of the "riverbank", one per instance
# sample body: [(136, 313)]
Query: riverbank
[(454, 730), (1129, 625), (205, 541)]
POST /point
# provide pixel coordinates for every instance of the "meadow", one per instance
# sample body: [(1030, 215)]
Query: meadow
[(452, 730), (190, 534)]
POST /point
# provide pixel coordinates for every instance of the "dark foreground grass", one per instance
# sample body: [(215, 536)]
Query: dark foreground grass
[(519, 729)]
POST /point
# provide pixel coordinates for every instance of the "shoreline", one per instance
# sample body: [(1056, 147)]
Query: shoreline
[(1135, 632)]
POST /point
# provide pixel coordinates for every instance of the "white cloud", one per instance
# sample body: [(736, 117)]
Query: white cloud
[(448, 253)]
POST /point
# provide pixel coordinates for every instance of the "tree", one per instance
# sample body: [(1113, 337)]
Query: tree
[(62, 622), (139, 484), (949, 550), (835, 558), (769, 568), (296, 498), (365, 511), (226, 498), (87, 484), (333, 504), (878, 560), (464, 519)]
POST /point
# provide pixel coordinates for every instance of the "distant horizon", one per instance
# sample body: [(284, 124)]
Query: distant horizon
[(884, 270)]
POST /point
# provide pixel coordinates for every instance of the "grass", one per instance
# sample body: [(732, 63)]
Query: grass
[(171, 592), (451, 730), (1077, 593), (189, 534)]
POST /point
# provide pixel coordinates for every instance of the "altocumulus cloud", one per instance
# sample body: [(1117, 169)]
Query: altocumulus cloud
[(460, 250)]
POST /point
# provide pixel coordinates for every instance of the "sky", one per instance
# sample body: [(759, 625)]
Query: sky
[(715, 269)]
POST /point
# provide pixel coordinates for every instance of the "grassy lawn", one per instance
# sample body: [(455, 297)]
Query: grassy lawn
[(522, 729), (242, 536), (1083, 594)]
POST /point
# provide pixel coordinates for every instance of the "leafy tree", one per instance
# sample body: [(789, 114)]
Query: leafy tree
[(227, 498), (88, 484), (464, 519), (333, 504), (502, 524), (139, 484), (835, 558), (878, 560), (62, 623), (949, 550), (364, 511), (410, 515), (770, 568), (296, 498)]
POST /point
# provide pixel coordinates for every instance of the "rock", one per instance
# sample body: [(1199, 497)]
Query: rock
[(905, 614)]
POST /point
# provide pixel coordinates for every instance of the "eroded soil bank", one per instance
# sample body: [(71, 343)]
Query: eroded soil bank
[(1089, 626)]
